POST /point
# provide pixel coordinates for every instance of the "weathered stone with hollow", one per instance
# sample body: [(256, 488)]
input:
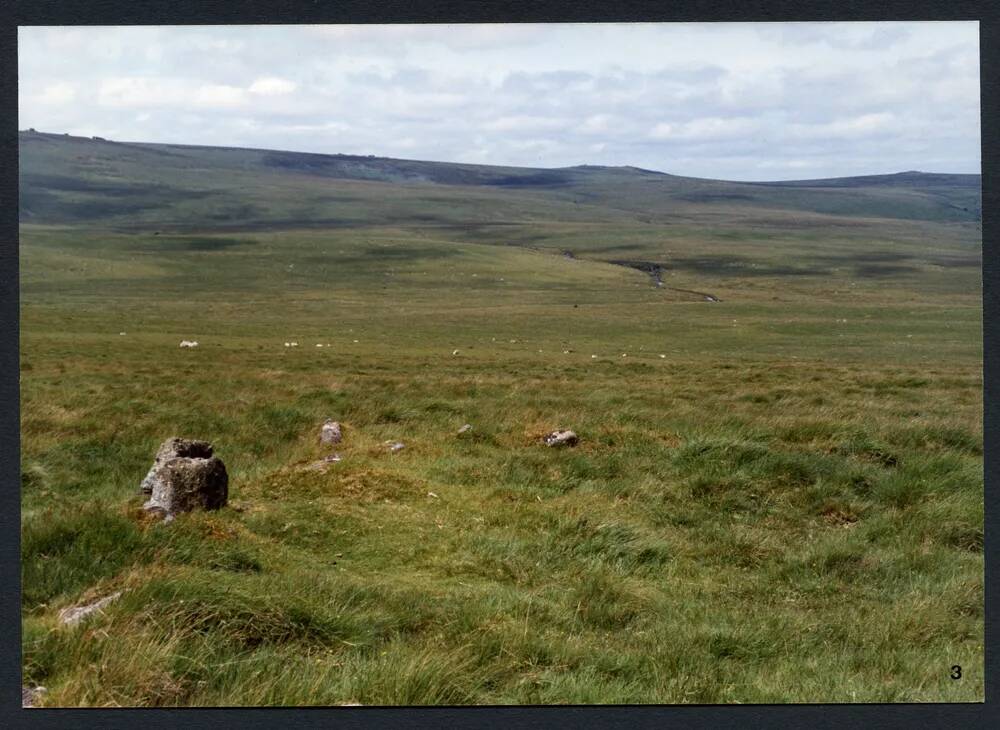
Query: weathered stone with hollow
[(170, 449), (185, 484), (561, 438), (186, 476)]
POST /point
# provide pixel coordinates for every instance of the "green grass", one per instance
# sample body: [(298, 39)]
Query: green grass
[(787, 507)]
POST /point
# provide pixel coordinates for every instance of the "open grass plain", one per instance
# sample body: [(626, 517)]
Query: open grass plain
[(777, 496)]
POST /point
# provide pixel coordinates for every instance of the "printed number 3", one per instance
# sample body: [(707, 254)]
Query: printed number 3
[(956, 672)]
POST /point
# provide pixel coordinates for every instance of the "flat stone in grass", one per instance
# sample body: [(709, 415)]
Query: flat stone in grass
[(561, 438), (76, 614), (186, 476)]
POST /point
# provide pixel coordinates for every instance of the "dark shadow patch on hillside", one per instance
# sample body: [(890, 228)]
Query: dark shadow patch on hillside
[(231, 223), (871, 265), (737, 266), (44, 197), (401, 254), (81, 185), (41, 205), (877, 271), (234, 213), (908, 179), (34, 183), (496, 233), (711, 197), (882, 264), (972, 261), (410, 218), (547, 179), (190, 243), (609, 248)]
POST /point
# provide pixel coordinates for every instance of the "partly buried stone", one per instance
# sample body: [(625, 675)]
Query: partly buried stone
[(561, 438), (76, 614), (30, 694), (331, 433), (170, 449), (323, 463), (186, 476)]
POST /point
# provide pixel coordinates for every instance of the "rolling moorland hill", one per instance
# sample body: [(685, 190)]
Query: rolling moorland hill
[(777, 493), (80, 180)]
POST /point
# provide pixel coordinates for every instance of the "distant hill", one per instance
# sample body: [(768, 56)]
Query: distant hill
[(67, 179)]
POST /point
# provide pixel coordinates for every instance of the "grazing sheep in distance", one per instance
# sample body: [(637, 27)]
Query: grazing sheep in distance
[(188, 343)]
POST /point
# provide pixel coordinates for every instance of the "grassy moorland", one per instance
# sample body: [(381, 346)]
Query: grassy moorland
[(777, 496)]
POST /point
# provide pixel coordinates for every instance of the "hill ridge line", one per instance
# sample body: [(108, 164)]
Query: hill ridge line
[(907, 175)]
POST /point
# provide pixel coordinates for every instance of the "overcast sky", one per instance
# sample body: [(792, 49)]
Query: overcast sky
[(735, 101)]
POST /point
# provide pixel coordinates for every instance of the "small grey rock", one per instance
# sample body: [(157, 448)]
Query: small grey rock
[(561, 438), (30, 694), (331, 433)]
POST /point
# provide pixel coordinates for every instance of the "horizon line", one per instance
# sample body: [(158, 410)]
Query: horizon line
[(98, 138)]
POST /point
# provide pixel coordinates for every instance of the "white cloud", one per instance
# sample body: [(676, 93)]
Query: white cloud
[(136, 92), (61, 92), (709, 128), (849, 128), (595, 124), (525, 123), (272, 86), (221, 96)]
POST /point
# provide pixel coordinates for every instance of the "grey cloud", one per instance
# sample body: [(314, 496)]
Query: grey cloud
[(844, 36)]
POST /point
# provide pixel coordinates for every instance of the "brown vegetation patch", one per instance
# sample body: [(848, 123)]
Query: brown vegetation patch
[(670, 440), (214, 529), (371, 485), (839, 515)]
